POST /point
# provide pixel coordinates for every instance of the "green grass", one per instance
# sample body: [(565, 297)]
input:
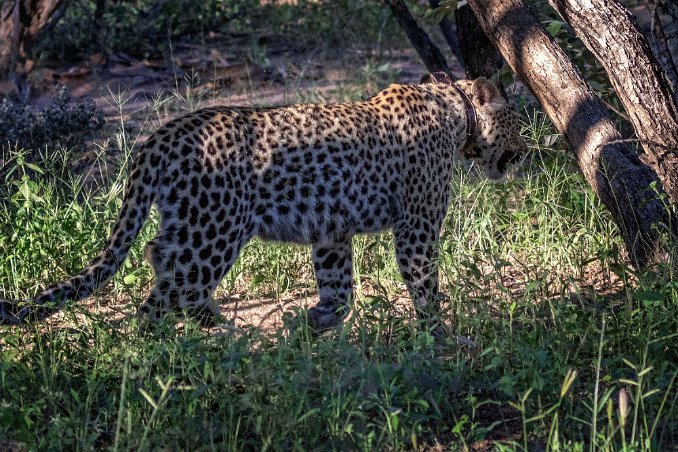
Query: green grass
[(551, 335)]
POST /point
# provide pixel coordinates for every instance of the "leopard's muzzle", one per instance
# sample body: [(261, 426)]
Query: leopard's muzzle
[(510, 157)]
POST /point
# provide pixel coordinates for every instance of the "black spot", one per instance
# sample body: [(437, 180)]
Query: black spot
[(218, 273), (204, 200), (172, 198), (186, 257), (197, 240), (205, 253), (194, 215), (204, 219), (330, 260), (193, 274), (224, 228), (206, 275), (319, 207), (211, 232), (221, 244)]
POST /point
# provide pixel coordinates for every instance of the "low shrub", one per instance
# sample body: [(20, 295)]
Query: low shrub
[(62, 124)]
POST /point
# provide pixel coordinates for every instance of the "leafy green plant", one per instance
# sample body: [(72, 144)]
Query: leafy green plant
[(136, 27)]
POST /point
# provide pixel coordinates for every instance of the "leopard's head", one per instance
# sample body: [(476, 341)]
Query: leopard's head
[(496, 143)]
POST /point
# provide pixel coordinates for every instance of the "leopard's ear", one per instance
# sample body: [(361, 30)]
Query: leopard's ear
[(436, 77), (427, 78), (484, 91)]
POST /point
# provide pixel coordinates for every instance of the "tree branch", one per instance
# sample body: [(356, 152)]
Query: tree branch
[(480, 55)]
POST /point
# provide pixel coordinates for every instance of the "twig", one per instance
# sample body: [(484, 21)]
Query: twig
[(641, 141)]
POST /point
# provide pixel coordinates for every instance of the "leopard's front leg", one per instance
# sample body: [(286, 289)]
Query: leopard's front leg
[(333, 264), (416, 248)]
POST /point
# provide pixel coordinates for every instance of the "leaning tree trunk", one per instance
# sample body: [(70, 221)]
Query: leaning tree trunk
[(21, 22), (607, 29), (623, 183), (660, 42)]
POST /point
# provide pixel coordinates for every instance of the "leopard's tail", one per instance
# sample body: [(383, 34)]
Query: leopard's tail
[(137, 201)]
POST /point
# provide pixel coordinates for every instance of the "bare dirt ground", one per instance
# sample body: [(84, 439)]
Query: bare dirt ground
[(218, 70)]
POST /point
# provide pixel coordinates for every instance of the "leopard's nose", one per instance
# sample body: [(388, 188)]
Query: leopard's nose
[(515, 158), (509, 157)]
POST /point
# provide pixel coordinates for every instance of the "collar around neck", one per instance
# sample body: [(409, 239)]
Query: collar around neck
[(471, 117)]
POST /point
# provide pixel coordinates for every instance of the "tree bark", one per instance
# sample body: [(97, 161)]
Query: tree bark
[(21, 22), (9, 37), (608, 30), (429, 53), (625, 185), (480, 55)]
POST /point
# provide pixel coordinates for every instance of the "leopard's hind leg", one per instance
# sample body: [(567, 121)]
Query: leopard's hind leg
[(188, 271), (333, 264)]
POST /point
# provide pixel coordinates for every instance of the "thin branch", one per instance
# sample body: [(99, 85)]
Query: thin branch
[(641, 141)]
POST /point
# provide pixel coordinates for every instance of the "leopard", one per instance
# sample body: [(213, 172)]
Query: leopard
[(313, 174)]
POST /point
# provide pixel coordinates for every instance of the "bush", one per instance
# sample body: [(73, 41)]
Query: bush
[(61, 124), (144, 28), (140, 28)]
